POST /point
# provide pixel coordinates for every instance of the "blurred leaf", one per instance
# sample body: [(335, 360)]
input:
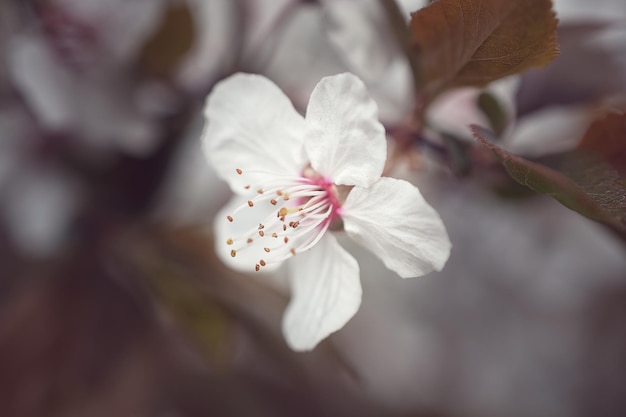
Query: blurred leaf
[(579, 179), (218, 305), (458, 154), (491, 107), (163, 52), (196, 312), (606, 138), (598, 73), (474, 42)]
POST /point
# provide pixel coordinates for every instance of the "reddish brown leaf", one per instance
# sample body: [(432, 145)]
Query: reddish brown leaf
[(598, 70), (606, 138), (577, 179), (473, 42), (163, 52)]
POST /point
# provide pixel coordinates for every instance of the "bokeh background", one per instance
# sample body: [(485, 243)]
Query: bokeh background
[(112, 302)]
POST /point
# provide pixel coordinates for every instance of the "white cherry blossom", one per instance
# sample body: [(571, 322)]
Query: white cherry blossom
[(297, 179)]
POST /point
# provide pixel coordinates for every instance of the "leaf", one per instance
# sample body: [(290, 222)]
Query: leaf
[(163, 52), (578, 179), (474, 42), (599, 72), (606, 138), (495, 112)]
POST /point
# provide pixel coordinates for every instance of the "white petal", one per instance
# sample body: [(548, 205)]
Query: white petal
[(344, 139), (252, 126), (555, 129), (392, 219), (326, 293)]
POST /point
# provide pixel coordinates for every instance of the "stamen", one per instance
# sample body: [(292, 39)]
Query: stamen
[(304, 217), (247, 187)]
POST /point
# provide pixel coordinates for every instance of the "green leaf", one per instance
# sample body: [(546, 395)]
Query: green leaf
[(491, 107)]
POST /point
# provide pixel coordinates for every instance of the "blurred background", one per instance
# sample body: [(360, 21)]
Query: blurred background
[(112, 302)]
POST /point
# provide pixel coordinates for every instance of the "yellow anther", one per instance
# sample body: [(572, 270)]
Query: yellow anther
[(233, 253), (229, 241)]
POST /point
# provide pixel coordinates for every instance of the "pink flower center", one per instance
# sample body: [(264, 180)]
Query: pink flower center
[(293, 215)]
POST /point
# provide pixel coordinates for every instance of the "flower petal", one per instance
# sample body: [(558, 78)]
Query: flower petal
[(252, 126), (392, 219), (344, 139), (326, 293)]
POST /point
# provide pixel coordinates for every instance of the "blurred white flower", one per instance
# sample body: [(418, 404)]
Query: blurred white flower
[(297, 178), (99, 110)]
